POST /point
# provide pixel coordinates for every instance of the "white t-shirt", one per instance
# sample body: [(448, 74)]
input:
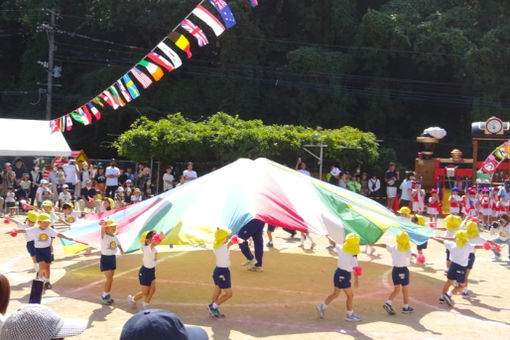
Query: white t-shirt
[(25, 226), (150, 256), (109, 245), (112, 170), (304, 172), (476, 242), (72, 217), (70, 171), (222, 256), (504, 233), (42, 238), (399, 258), (346, 261), (38, 193), (168, 177), (65, 197), (191, 174), (458, 255)]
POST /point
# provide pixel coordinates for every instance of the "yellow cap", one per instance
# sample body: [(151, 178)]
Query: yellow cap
[(111, 202), (32, 216), (144, 236), (111, 223), (472, 230), (461, 238), (421, 220), (69, 204), (47, 203), (44, 218), (351, 244), (453, 222), (404, 211), (220, 236), (403, 243)]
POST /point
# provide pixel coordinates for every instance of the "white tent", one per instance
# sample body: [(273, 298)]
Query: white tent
[(22, 137)]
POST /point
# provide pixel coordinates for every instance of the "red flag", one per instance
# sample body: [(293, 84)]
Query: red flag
[(69, 122), (87, 112)]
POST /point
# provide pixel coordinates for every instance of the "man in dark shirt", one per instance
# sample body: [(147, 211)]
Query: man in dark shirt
[(391, 177), (88, 196)]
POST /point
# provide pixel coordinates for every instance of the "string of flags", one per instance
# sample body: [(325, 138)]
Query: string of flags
[(165, 56)]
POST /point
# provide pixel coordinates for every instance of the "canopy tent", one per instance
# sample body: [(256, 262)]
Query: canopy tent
[(234, 195), (22, 137)]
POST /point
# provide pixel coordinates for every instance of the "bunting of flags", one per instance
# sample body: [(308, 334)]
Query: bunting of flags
[(164, 57)]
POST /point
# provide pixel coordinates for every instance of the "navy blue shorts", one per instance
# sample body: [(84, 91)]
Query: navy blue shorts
[(146, 276), (447, 255), (400, 276), (422, 246), (43, 254), (342, 279), (270, 227), (457, 272), (221, 277), (108, 262), (31, 248), (471, 261)]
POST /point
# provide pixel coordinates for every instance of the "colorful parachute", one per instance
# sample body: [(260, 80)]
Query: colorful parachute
[(239, 192)]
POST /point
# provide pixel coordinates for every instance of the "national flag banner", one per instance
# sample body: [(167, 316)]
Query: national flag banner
[(98, 101), (225, 12), (155, 71), (69, 122), (54, 125), (94, 111), (108, 98), (79, 116), (131, 87), (209, 19), (62, 123), (116, 95), (174, 57), (182, 42), (123, 91), (254, 3), (161, 61), (142, 78), (87, 112), (195, 31)]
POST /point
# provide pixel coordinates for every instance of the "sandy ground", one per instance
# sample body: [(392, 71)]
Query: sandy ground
[(278, 303)]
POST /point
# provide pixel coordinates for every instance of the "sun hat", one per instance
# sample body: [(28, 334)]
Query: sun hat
[(404, 211), (38, 322), (461, 238), (472, 230), (69, 204), (47, 203), (158, 324), (32, 216), (220, 236), (44, 218), (351, 244), (403, 243)]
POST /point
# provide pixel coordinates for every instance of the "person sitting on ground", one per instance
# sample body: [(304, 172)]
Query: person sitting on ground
[(35, 321), (158, 324)]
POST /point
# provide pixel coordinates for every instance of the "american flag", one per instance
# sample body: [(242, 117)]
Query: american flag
[(144, 80), (195, 31), (225, 12)]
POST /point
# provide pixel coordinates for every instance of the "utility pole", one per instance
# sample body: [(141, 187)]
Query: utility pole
[(51, 51)]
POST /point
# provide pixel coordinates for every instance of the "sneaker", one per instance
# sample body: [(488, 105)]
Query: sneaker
[(321, 310), (448, 300), (352, 317), (219, 315), (255, 269), (47, 285), (213, 311), (408, 310), (496, 258), (145, 306), (107, 300), (249, 263), (441, 300), (465, 293), (269, 244), (330, 247), (389, 309), (131, 300)]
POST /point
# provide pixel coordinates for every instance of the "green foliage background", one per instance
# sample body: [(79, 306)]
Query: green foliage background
[(392, 67)]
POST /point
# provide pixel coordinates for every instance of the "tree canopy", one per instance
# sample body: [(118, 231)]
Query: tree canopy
[(225, 138), (392, 67)]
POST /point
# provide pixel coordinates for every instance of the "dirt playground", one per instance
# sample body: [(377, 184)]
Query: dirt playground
[(279, 303)]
